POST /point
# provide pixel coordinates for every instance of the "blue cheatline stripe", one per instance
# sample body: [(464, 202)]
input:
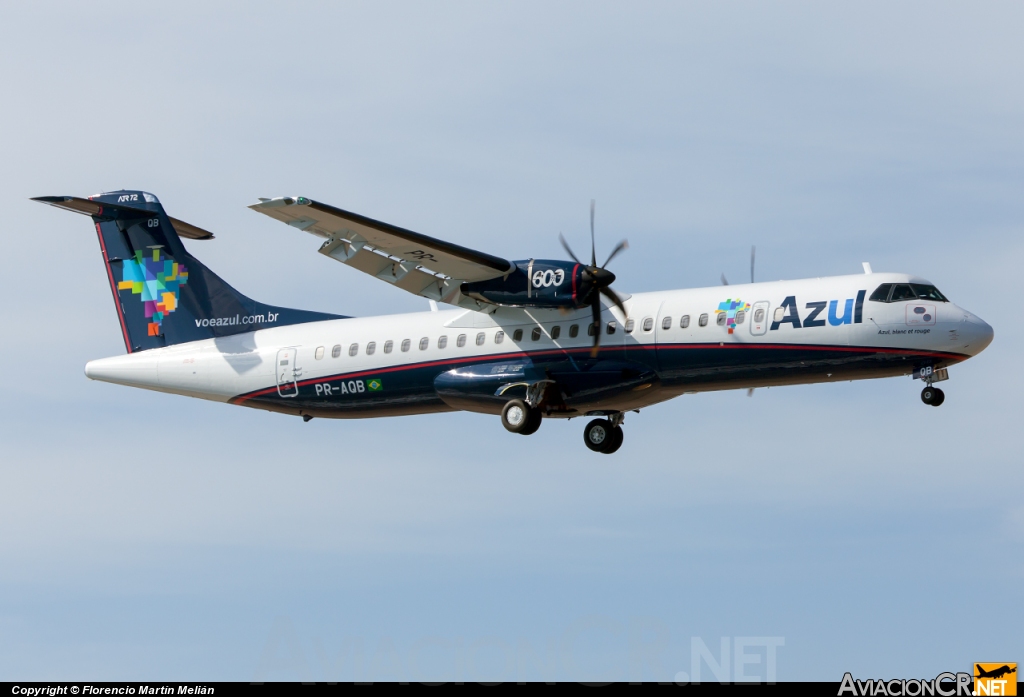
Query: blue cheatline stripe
[(472, 360)]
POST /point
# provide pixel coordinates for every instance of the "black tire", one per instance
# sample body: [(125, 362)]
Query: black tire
[(533, 422), (928, 394), (597, 433), (939, 398), (515, 416), (614, 441)]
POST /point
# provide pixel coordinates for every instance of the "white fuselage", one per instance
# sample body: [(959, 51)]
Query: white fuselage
[(334, 360)]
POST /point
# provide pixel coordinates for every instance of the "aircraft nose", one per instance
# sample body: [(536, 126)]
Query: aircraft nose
[(985, 333), (980, 334)]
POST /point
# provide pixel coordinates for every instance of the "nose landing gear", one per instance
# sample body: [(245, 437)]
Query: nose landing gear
[(932, 396), (604, 435)]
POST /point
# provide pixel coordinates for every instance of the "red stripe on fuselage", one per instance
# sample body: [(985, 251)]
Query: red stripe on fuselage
[(469, 360)]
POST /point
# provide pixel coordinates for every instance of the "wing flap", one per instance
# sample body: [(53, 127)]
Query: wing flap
[(438, 256), (416, 263)]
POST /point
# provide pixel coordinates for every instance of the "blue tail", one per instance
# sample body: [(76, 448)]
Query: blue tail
[(163, 294)]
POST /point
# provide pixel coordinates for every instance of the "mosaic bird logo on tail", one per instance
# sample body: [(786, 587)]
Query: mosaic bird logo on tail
[(730, 307), (158, 281)]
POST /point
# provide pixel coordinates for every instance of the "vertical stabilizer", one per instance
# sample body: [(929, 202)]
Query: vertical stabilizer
[(164, 295)]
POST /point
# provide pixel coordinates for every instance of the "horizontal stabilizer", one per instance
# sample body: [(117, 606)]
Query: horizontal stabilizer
[(110, 211)]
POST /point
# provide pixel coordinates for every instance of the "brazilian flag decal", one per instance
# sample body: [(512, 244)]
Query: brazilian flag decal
[(375, 385)]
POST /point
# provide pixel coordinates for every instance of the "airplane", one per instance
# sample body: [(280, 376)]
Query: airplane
[(995, 673), (528, 340)]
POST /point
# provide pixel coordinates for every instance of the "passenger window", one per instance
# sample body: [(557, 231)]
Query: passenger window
[(556, 331), (535, 334), (461, 341), (353, 349), (928, 292), (574, 331), (902, 291), (371, 347), (388, 346), (424, 343), (480, 339), (517, 335), (592, 329), (740, 316), (336, 351), (684, 321), (610, 329), (703, 320), (406, 345), (319, 352), (442, 341), (881, 294), (720, 319), (499, 337), (629, 326), (666, 323), (648, 324), (779, 313)]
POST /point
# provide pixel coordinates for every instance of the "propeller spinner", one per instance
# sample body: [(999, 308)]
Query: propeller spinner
[(596, 281)]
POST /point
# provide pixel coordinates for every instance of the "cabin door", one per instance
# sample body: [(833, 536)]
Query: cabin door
[(286, 372)]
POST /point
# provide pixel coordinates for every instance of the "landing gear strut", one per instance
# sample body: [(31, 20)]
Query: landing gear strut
[(519, 417), (932, 396), (604, 435)]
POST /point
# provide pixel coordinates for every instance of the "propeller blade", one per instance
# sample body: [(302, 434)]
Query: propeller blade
[(753, 249), (593, 249), (750, 391), (614, 297), (725, 281), (595, 308), (618, 248), (565, 245)]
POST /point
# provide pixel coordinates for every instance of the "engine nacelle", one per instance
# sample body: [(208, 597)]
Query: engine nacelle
[(535, 283)]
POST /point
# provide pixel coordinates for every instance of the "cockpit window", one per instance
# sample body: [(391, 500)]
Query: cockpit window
[(906, 291), (881, 294), (928, 292), (902, 291)]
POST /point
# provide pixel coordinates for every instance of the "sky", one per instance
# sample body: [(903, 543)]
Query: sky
[(794, 535)]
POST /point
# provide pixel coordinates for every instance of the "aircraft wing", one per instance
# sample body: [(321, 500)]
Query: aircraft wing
[(414, 262)]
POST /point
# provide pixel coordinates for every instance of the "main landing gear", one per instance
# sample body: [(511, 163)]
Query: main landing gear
[(932, 396), (604, 435), (519, 417)]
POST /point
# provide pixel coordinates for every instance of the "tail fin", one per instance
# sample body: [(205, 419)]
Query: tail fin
[(163, 294)]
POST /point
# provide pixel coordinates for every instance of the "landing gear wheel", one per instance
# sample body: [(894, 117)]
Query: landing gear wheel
[(533, 422), (614, 442), (601, 437), (932, 396), (520, 417), (597, 433)]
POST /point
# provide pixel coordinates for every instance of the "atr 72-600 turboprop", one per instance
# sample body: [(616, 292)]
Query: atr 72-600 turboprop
[(527, 340)]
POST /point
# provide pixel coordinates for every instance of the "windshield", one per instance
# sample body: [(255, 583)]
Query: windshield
[(928, 292), (895, 292)]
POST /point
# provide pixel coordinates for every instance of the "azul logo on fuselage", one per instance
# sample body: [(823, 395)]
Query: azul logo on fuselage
[(848, 311)]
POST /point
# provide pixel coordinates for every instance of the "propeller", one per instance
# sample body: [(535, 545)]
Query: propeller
[(597, 280), (753, 250)]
